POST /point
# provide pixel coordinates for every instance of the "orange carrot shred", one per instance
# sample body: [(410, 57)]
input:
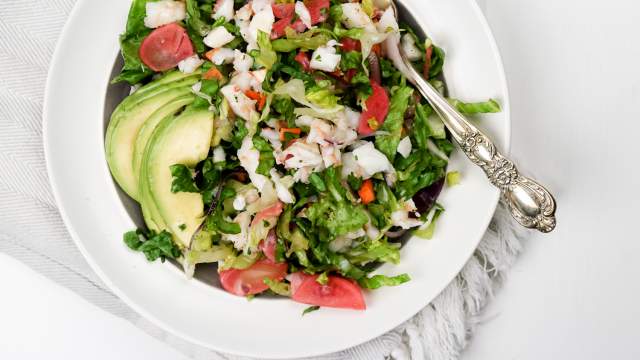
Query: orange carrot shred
[(213, 73), (284, 130), (366, 192)]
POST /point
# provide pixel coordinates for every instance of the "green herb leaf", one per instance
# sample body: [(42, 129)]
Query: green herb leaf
[(310, 309), (238, 134), (182, 179), (153, 245)]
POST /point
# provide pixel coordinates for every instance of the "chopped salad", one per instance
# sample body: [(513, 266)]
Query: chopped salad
[(279, 140)]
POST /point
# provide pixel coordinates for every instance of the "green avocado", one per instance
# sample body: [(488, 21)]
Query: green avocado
[(129, 117), (169, 109), (182, 139)]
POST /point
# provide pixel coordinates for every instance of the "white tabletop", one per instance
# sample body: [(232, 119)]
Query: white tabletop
[(573, 68)]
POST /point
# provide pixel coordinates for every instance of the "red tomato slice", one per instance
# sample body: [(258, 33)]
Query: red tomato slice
[(318, 9), (296, 279), (349, 44), (337, 293), (377, 107), (303, 59), (268, 246), (279, 27), (165, 47), (249, 281), (270, 212), (281, 11)]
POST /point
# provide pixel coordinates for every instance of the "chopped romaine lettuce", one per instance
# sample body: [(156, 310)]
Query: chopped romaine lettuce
[(378, 281)]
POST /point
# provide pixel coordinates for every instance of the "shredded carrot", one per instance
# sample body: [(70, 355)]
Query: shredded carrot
[(213, 73), (366, 192), (284, 131), (259, 97)]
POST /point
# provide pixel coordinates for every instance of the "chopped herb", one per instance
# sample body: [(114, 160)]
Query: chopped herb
[(453, 178), (310, 309)]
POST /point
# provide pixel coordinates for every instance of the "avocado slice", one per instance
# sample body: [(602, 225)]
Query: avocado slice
[(126, 121), (169, 109), (183, 139)]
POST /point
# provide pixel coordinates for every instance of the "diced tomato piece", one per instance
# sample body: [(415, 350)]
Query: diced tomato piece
[(268, 245), (349, 44), (377, 107), (337, 293), (165, 47), (281, 11), (270, 212), (279, 27), (318, 9), (250, 281), (303, 59)]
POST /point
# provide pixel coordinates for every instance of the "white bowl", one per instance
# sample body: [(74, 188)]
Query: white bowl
[(268, 328)]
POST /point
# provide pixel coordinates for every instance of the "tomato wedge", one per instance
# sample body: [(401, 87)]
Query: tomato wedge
[(318, 9), (349, 44), (281, 11), (337, 293), (377, 107), (268, 246), (249, 281), (303, 59), (165, 47)]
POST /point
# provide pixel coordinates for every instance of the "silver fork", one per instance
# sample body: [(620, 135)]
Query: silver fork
[(530, 203)]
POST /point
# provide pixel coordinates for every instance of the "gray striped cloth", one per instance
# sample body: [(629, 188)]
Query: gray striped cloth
[(32, 231)]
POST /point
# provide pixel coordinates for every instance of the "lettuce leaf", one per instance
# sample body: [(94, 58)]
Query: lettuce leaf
[(378, 281), (278, 287), (309, 40), (296, 90), (489, 106), (266, 56), (134, 70), (267, 160), (333, 213), (419, 170), (388, 144)]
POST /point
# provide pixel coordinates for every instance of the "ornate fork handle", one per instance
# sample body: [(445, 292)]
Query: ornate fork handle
[(530, 203)]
